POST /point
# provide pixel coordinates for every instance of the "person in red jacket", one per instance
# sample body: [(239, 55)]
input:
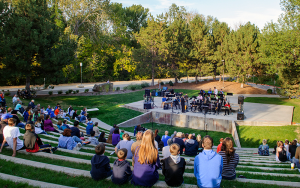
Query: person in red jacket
[(220, 145), (227, 108)]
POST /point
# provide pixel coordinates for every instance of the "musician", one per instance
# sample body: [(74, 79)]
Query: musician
[(182, 104), (219, 106), (215, 91), (163, 100), (221, 91), (200, 98), (202, 92), (172, 91), (186, 97), (227, 108), (193, 105), (176, 102)]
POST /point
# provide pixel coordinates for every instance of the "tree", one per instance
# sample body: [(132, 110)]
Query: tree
[(31, 48)]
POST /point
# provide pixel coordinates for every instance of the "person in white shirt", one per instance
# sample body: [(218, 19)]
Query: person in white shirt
[(215, 91), (200, 97), (11, 136), (96, 129), (166, 150), (14, 99)]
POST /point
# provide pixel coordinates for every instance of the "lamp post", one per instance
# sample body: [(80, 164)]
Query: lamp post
[(80, 86), (223, 71)]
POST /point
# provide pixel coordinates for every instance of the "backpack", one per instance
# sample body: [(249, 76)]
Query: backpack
[(282, 155)]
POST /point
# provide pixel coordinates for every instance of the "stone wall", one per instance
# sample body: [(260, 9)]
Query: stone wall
[(144, 118)]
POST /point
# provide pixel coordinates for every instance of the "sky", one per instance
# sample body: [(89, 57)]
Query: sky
[(233, 12)]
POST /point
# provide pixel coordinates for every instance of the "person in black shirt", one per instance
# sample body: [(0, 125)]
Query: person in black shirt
[(102, 137), (182, 101), (75, 115)]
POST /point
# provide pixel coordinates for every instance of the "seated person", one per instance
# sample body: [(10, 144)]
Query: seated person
[(193, 105), (67, 142), (173, 167), (163, 100), (38, 127), (83, 119), (227, 108), (166, 150), (59, 125), (102, 137), (96, 129), (100, 164), (64, 115), (92, 139), (64, 125), (281, 152), (57, 112), (89, 127), (179, 141), (165, 138), (33, 143), (75, 115), (191, 146), (121, 170), (209, 91), (292, 149), (264, 148), (296, 159), (11, 135), (75, 134)]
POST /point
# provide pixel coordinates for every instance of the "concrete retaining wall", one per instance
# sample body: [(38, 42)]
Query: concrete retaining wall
[(144, 118)]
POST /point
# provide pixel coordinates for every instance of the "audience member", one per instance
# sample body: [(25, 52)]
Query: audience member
[(38, 127), (100, 164), (31, 104), (15, 116), (292, 149), (11, 136), (96, 129), (139, 137), (121, 170), (297, 158), (264, 148), (146, 162), (199, 140), (157, 137), (191, 146), (89, 127), (112, 129), (179, 141), (59, 125), (115, 137), (67, 142), (83, 118), (220, 145), (174, 134), (125, 143), (102, 137), (165, 138), (139, 128), (75, 115), (48, 126), (64, 115), (92, 139), (166, 150), (109, 139), (121, 134), (230, 159), (208, 165), (173, 167), (65, 125), (286, 145), (281, 152)]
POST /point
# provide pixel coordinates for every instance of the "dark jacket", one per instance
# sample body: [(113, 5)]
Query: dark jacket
[(180, 142), (100, 167), (2, 125), (121, 172), (292, 150), (157, 139), (191, 147), (75, 132), (30, 138), (173, 172)]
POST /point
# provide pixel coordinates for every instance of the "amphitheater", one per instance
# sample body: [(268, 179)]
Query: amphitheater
[(51, 170)]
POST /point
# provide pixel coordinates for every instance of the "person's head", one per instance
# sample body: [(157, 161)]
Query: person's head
[(198, 138), (179, 134), (221, 140), (279, 143), (186, 135), (190, 136), (39, 120), (116, 131), (96, 124), (75, 111), (147, 151), (264, 141), (47, 117), (138, 125), (59, 122), (89, 119), (286, 142), (102, 135), (64, 121), (207, 142), (174, 149), (92, 133), (57, 104), (122, 153), (294, 142), (100, 149), (166, 133), (76, 123), (214, 87), (170, 141), (9, 109), (175, 132), (11, 122), (126, 137), (32, 101), (36, 113), (29, 127), (115, 125), (139, 135), (156, 132), (67, 132), (227, 147), (42, 117)]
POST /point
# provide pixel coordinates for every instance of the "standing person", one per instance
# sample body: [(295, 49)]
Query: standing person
[(165, 138), (208, 165), (11, 136), (157, 137), (173, 167), (182, 102), (230, 159), (100, 164), (125, 143), (146, 162), (48, 125), (179, 141), (121, 170), (220, 145), (115, 137), (139, 137)]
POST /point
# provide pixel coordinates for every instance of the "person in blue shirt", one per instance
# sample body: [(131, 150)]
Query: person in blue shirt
[(26, 115), (165, 138), (83, 119), (66, 141), (89, 127), (163, 100), (208, 165), (64, 125), (209, 91)]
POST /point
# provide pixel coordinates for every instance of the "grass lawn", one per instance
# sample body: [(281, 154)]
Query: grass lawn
[(279, 101)]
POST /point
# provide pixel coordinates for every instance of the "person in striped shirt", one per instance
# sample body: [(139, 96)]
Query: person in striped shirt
[(230, 159)]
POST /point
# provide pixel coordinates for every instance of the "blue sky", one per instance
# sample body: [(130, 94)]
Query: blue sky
[(232, 12)]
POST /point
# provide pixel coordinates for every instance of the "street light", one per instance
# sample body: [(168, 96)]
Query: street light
[(80, 86), (223, 71)]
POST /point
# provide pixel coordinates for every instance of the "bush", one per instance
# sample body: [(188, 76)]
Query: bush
[(60, 92), (7, 93), (77, 91), (132, 87), (66, 92), (278, 91), (70, 90), (50, 92), (162, 83), (86, 90), (74, 92), (145, 84), (171, 83), (205, 80), (125, 88), (138, 87), (269, 91), (107, 88), (118, 88)]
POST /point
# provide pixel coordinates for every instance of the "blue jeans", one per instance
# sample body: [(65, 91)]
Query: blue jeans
[(296, 161), (4, 144), (67, 118), (76, 139), (20, 125)]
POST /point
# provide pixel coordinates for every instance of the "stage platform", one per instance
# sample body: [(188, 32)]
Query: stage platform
[(255, 114)]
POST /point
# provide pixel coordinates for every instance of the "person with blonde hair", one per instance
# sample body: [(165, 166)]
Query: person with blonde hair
[(281, 155), (139, 137), (199, 140), (264, 148), (173, 167), (146, 162), (230, 159)]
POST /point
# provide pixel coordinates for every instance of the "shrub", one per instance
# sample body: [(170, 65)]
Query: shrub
[(107, 87), (86, 90), (74, 92), (77, 91), (125, 88), (7, 93), (171, 83), (114, 89), (50, 92), (70, 90), (145, 84), (138, 87), (278, 91), (269, 91), (60, 92), (132, 87), (66, 92), (118, 88), (162, 83)]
